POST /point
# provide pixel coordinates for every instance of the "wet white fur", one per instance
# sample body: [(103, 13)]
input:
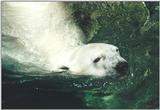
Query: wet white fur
[(80, 60)]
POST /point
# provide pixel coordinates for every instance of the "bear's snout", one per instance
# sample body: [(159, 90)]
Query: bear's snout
[(122, 67)]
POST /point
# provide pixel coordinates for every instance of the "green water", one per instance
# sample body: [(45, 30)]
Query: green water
[(134, 28), (131, 26)]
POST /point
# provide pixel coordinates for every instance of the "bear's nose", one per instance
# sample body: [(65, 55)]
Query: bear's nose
[(122, 67)]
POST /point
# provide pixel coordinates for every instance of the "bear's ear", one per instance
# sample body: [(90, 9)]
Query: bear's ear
[(64, 68)]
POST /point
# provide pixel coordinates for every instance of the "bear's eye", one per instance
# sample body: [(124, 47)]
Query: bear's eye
[(96, 60), (117, 50)]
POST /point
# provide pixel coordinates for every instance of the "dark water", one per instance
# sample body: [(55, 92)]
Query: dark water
[(50, 91), (134, 28)]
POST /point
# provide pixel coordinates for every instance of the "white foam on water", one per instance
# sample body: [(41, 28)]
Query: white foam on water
[(33, 32)]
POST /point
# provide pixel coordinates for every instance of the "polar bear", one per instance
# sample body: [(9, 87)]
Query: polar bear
[(44, 34), (97, 59)]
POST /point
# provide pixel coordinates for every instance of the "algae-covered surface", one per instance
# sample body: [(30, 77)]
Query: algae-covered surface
[(131, 26)]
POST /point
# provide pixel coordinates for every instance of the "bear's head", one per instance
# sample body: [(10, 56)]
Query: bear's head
[(97, 59)]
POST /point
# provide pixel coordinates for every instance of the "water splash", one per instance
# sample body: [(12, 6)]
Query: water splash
[(33, 32)]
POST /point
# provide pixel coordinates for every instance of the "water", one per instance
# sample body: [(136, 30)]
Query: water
[(25, 35), (133, 27), (48, 91)]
